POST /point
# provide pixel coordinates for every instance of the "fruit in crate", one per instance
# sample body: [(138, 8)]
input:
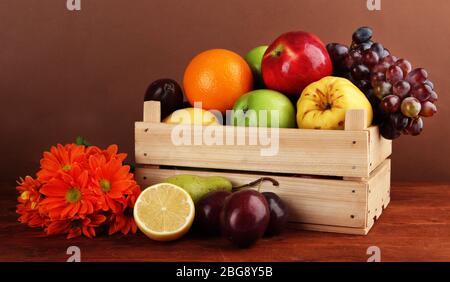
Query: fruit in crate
[(399, 94), (245, 217), (207, 211), (279, 213), (293, 61), (411, 107), (168, 92), (217, 78), (195, 116), (164, 212), (265, 108), (323, 104), (254, 60), (198, 186)]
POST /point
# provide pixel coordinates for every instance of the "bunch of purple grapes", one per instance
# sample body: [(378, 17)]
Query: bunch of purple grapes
[(400, 95)]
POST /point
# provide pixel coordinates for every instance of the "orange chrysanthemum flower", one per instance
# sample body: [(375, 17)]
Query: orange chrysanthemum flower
[(123, 222), (69, 195), (76, 227), (79, 190), (29, 200), (110, 153), (132, 197), (60, 159), (111, 182)]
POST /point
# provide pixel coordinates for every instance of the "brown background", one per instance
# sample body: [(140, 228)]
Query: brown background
[(64, 74)]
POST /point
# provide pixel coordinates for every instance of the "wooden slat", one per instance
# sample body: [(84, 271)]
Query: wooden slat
[(356, 119), (311, 201), (152, 111), (379, 148), (378, 192), (301, 151), (330, 228)]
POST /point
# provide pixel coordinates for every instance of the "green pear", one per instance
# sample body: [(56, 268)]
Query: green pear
[(198, 186)]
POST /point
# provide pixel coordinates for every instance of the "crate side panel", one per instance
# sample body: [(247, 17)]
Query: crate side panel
[(312, 201), (324, 152), (379, 147), (330, 228), (379, 192)]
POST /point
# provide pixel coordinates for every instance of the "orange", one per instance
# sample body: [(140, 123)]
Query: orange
[(217, 78)]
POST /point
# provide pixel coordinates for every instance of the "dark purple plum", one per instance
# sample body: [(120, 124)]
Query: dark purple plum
[(244, 217), (168, 92), (207, 212), (279, 213)]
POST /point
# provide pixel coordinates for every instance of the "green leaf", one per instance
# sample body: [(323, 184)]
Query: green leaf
[(131, 165), (81, 141)]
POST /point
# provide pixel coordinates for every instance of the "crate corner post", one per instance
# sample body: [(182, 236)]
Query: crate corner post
[(356, 119), (151, 114), (152, 111)]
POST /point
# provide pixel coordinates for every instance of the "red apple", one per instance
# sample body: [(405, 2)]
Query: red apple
[(295, 60)]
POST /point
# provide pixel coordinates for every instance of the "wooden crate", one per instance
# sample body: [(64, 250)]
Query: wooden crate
[(332, 180)]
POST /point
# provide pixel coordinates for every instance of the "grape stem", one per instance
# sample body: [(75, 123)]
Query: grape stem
[(257, 182)]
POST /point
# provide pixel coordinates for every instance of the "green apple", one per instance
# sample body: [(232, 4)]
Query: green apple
[(264, 108), (254, 60)]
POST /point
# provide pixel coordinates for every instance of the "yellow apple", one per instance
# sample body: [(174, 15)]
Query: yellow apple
[(195, 116), (323, 104)]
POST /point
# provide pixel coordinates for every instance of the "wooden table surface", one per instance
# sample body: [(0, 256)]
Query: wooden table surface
[(414, 227)]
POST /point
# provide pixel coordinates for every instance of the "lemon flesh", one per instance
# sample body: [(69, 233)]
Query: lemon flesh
[(164, 212)]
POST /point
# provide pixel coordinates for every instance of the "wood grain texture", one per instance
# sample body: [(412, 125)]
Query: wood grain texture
[(330, 228), (379, 192), (330, 205), (152, 111), (324, 152), (315, 201), (379, 148), (415, 227), (353, 152), (356, 119)]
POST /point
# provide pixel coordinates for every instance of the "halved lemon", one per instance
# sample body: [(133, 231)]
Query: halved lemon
[(164, 212)]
